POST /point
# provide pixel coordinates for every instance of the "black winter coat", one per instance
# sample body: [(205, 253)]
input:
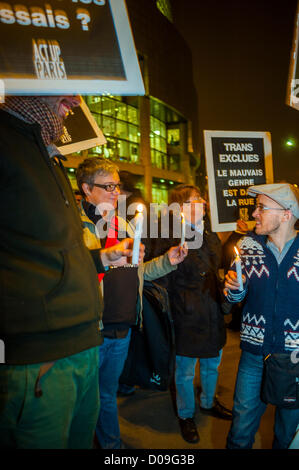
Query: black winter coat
[(195, 297), (49, 290)]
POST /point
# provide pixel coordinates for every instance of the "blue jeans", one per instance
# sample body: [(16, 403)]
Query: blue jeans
[(248, 408), (184, 377), (113, 354), (295, 441)]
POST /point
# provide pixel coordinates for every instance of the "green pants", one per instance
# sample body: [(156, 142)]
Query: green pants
[(64, 416)]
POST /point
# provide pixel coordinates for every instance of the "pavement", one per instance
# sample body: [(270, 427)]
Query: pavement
[(148, 421)]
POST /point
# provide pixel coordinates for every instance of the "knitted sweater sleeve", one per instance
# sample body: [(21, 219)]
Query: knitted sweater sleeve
[(237, 295)]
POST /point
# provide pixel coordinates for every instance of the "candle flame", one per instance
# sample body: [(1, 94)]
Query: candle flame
[(237, 251), (182, 215), (139, 208)]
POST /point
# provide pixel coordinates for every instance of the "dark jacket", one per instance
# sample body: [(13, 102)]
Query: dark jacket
[(49, 299), (195, 298)]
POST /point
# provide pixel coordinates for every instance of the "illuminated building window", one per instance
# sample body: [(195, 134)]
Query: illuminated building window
[(159, 193), (119, 120), (160, 190), (165, 8), (162, 135), (173, 136), (71, 173)]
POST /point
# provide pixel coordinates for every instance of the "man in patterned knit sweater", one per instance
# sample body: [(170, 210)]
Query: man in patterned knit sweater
[(270, 323)]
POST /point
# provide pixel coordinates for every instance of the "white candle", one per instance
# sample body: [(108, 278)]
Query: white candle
[(183, 229), (137, 235), (238, 268)]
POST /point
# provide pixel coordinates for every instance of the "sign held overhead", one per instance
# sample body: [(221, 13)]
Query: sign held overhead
[(81, 131), (293, 81), (66, 47)]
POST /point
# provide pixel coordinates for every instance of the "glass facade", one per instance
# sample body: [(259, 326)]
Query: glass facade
[(71, 173), (173, 136), (160, 190), (159, 193), (118, 117), (164, 134)]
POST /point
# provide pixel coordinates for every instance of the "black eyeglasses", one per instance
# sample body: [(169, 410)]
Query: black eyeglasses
[(108, 187), (262, 208)]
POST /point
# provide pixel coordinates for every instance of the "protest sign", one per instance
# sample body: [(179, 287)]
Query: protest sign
[(81, 131), (235, 161), (293, 81), (66, 47)]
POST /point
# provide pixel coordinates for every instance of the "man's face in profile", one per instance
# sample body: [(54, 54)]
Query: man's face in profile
[(62, 105)]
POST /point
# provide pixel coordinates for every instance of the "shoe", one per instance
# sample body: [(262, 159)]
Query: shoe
[(217, 411), (188, 430), (125, 391)]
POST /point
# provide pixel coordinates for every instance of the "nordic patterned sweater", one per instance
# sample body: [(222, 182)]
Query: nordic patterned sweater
[(270, 319)]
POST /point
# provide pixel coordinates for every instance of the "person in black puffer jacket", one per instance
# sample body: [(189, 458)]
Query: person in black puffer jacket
[(196, 306)]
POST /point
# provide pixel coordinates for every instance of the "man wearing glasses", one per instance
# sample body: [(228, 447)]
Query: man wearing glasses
[(270, 322), (99, 183)]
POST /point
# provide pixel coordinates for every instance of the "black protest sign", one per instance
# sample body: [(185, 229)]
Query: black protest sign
[(293, 82), (235, 161), (66, 46), (81, 131)]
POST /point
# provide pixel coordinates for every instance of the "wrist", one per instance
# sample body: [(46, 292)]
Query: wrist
[(104, 258)]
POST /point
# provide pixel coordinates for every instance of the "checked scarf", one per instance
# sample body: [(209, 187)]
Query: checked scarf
[(36, 110)]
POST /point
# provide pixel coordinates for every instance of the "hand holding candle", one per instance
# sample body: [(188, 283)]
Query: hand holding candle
[(138, 234), (183, 229), (238, 268)]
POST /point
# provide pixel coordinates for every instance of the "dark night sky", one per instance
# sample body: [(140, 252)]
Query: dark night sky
[(241, 52)]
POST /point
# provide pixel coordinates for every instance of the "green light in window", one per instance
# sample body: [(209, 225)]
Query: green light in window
[(157, 132), (290, 143), (71, 170), (171, 182), (162, 181)]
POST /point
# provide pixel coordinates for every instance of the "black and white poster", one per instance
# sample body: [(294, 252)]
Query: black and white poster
[(81, 131), (67, 46), (293, 82), (235, 161)]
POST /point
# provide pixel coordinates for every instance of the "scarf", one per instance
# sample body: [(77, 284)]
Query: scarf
[(111, 239), (35, 110)]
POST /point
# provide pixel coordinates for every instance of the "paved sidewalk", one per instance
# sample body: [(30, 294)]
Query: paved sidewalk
[(147, 418)]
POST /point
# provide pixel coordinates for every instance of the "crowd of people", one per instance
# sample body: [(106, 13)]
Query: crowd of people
[(70, 295)]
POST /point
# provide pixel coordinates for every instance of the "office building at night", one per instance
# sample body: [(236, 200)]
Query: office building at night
[(151, 136)]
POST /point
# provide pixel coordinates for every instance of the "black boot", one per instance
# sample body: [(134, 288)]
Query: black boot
[(218, 411), (189, 430)]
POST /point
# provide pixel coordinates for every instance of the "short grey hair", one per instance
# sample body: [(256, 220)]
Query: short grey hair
[(92, 167)]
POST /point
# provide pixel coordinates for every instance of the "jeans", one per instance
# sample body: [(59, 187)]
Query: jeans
[(113, 354), (248, 408), (295, 441), (63, 417), (184, 377)]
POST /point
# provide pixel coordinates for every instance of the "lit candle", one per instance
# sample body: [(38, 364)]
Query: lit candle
[(183, 229), (238, 268), (138, 233)]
